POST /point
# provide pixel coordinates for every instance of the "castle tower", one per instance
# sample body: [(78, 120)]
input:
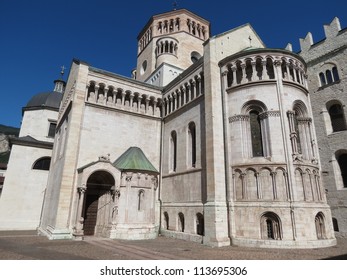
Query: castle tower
[(327, 81), (168, 44)]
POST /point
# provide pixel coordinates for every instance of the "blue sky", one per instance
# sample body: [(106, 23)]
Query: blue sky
[(39, 36)]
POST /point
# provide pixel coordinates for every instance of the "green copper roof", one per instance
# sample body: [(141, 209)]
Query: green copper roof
[(134, 159)]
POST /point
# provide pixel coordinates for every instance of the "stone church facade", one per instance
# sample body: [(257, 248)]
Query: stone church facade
[(212, 140)]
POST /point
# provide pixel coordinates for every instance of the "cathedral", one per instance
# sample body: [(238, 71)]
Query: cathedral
[(214, 139)]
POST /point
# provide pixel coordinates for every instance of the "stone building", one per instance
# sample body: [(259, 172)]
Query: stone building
[(27, 170), (327, 72), (211, 140)]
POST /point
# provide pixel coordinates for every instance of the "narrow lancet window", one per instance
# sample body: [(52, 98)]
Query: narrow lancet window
[(257, 144), (192, 144)]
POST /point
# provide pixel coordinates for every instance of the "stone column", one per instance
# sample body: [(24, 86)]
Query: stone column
[(123, 97), (304, 185), (115, 193), (193, 89), (233, 69), (167, 105), (264, 74), (184, 95), (259, 187), (131, 100), (286, 182), (170, 104), (199, 87), (274, 187), (154, 106), (295, 75), (178, 99), (96, 90), (244, 75), (188, 88), (105, 95), (254, 70), (147, 104), (293, 134), (174, 101), (79, 217), (225, 78), (244, 185), (139, 99)]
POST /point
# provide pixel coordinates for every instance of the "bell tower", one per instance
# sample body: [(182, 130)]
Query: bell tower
[(168, 44)]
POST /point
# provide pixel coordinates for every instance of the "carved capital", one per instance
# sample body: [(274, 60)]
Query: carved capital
[(304, 120), (278, 62), (82, 189), (128, 177)]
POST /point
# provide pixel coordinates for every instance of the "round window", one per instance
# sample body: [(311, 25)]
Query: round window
[(195, 56)]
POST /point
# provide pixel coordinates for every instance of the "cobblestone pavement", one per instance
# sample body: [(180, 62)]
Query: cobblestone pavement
[(25, 245)]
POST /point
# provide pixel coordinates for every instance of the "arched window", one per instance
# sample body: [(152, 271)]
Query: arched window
[(42, 163), (335, 74), (320, 226), (329, 76), (270, 226), (335, 225), (342, 160), (322, 79), (173, 150), (257, 140), (192, 144), (337, 117), (200, 225), (180, 222), (297, 133), (256, 134), (300, 131), (166, 220), (140, 203)]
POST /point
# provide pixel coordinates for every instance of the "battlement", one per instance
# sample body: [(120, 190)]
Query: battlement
[(331, 31)]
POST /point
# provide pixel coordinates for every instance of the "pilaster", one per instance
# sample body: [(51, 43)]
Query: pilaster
[(215, 208)]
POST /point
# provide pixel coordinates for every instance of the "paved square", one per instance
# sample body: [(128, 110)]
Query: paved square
[(28, 246)]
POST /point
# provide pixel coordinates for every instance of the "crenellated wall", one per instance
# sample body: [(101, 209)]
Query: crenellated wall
[(327, 76)]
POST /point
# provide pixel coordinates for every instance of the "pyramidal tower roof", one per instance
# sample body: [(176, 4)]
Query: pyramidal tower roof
[(134, 160)]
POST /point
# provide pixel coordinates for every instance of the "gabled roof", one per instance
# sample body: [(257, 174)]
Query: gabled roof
[(134, 160)]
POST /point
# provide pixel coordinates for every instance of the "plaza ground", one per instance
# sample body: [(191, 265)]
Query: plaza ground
[(26, 245)]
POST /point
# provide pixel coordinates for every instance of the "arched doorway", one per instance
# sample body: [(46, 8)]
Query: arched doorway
[(98, 198)]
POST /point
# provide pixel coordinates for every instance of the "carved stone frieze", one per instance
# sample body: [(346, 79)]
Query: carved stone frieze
[(238, 118), (268, 114)]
